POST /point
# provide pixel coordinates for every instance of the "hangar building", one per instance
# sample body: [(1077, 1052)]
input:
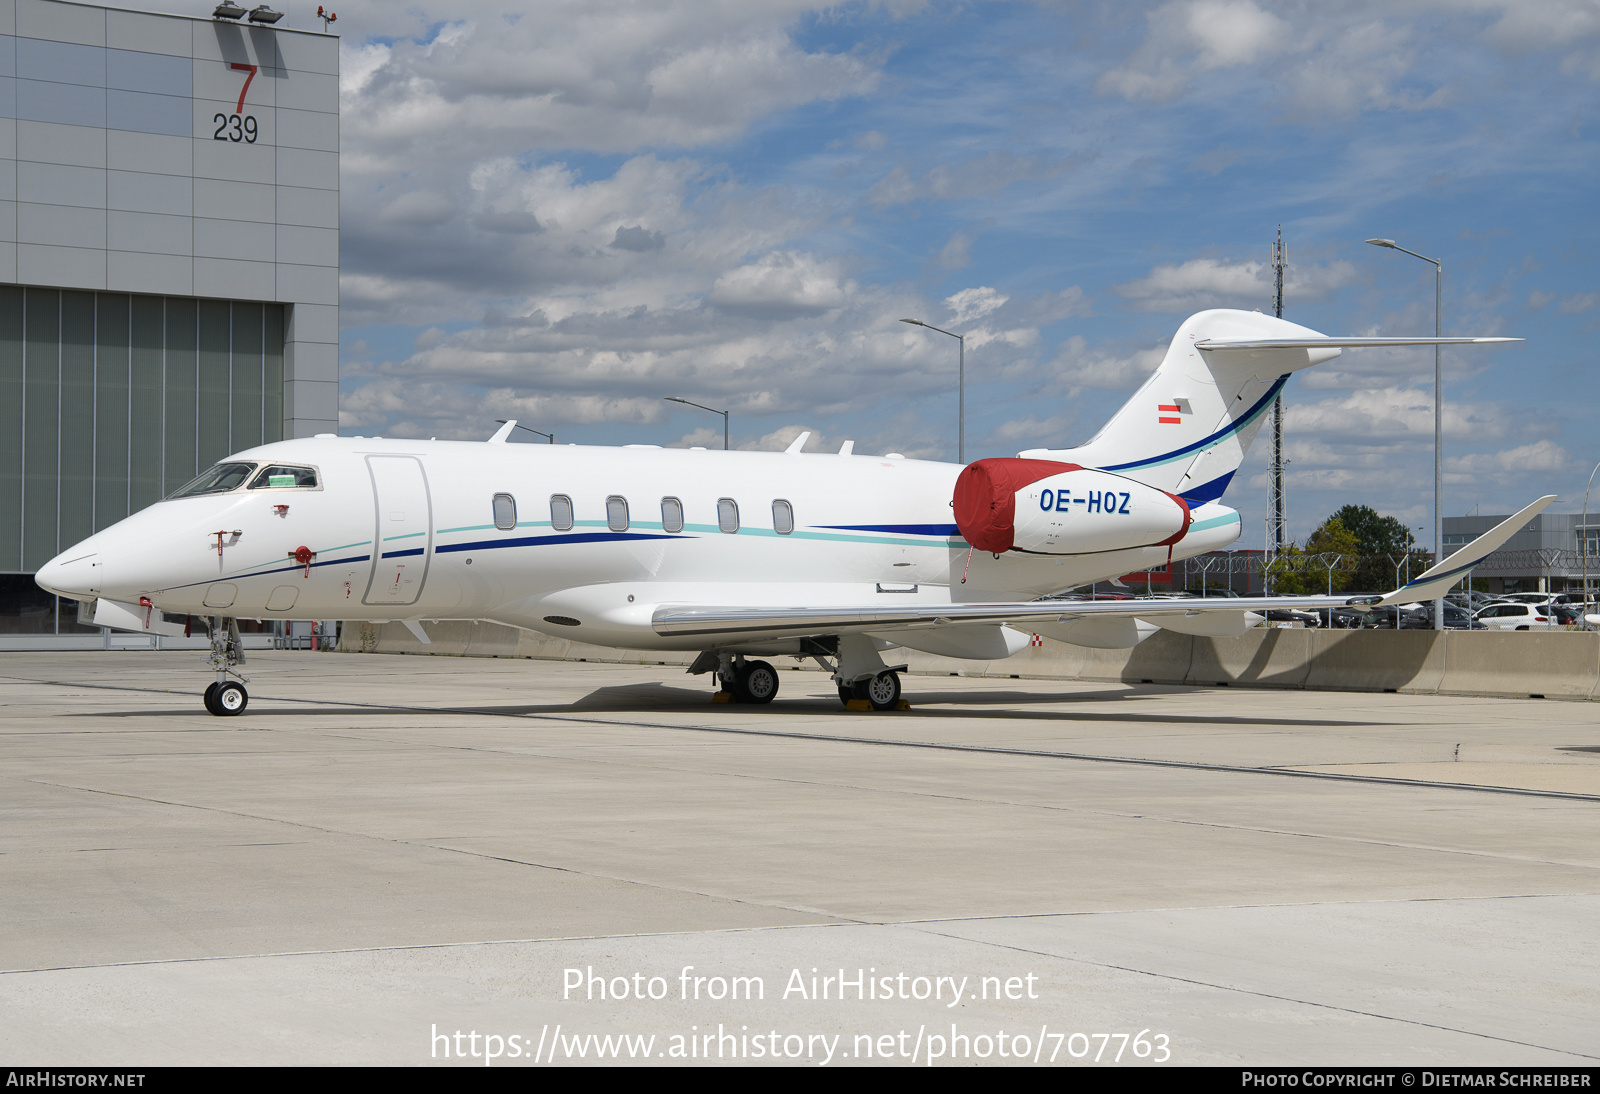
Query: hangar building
[(169, 263)]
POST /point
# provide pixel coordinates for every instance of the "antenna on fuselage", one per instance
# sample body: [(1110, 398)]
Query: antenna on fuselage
[(511, 423)]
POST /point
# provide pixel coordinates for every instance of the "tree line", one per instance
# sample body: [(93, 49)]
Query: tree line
[(1372, 550)]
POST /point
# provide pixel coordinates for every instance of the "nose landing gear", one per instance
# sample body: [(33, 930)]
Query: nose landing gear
[(225, 697)]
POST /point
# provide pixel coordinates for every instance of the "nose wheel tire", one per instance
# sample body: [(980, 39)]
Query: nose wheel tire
[(755, 682), (226, 700)]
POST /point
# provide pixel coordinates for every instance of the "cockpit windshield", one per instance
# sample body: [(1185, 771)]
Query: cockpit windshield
[(217, 480), (279, 476)]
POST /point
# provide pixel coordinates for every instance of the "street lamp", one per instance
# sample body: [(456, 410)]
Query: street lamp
[(961, 387), (724, 413), (551, 437), (1438, 414), (1583, 531)]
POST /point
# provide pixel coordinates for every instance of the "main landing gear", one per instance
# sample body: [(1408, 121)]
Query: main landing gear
[(226, 697), (749, 681), (882, 690)]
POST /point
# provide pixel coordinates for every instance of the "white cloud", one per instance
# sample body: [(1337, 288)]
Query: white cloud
[(1210, 283), (970, 305), (1542, 455), (603, 75), (1388, 415), (782, 285), (1081, 367), (1192, 37)]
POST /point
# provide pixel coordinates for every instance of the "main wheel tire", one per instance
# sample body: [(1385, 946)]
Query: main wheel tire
[(210, 699), (883, 690), (757, 683), (230, 699), (846, 693)]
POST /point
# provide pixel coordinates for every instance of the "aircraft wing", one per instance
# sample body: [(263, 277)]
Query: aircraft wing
[(774, 622)]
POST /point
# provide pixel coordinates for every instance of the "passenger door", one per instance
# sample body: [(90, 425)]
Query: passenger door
[(402, 539)]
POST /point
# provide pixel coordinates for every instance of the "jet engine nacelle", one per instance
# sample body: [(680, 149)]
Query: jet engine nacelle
[(1047, 507)]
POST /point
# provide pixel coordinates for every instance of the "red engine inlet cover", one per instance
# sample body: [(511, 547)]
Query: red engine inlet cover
[(986, 498)]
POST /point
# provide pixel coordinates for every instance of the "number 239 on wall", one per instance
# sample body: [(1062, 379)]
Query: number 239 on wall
[(237, 126)]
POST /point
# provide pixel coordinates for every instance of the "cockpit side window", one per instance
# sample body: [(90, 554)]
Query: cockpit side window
[(278, 476), (216, 480)]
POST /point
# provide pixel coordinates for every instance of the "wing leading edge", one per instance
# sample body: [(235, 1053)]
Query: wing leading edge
[(672, 620)]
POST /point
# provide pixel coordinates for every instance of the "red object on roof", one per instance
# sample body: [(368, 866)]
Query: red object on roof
[(986, 498)]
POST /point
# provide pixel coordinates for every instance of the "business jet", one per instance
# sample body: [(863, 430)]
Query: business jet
[(839, 557)]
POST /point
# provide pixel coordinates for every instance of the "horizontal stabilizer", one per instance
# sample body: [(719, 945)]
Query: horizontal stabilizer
[(1343, 343), (1440, 577)]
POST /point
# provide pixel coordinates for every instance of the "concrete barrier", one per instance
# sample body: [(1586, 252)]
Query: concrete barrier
[(1495, 663), (1410, 661), (1263, 658), (1163, 658), (1550, 664)]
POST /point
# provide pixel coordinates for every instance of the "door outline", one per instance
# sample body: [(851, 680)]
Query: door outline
[(377, 533)]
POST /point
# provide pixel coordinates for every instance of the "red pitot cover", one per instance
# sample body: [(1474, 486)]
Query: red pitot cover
[(986, 498)]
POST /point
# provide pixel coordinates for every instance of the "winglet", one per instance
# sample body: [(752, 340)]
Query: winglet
[(1438, 579), (798, 443), (503, 432)]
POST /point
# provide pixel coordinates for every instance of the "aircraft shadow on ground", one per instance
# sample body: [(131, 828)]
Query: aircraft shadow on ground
[(998, 703)]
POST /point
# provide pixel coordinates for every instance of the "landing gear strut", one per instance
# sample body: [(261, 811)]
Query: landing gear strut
[(226, 697)]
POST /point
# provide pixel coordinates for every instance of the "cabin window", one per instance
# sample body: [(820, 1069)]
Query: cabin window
[(728, 515), (505, 512), (617, 513), (561, 512), (782, 517), (671, 515), (280, 477)]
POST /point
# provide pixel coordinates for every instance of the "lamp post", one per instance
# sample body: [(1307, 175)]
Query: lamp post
[(1583, 531), (551, 437), (961, 387), (724, 413), (1438, 414)]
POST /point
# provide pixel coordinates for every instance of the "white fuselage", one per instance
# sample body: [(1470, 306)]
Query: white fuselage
[(406, 530)]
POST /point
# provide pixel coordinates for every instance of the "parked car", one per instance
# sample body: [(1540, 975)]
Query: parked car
[(1456, 618), (1514, 617), (1569, 615), (1410, 617), (1293, 615)]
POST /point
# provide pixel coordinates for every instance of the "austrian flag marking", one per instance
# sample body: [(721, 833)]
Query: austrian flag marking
[(1166, 409)]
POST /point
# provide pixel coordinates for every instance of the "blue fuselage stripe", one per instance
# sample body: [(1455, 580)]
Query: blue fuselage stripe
[(541, 541), (1215, 438)]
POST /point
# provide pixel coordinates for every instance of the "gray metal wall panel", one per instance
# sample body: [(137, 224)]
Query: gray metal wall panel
[(111, 418), (11, 402), (42, 404), (75, 520)]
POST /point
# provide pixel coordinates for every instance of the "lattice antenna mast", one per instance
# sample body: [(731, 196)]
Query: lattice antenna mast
[(1277, 526)]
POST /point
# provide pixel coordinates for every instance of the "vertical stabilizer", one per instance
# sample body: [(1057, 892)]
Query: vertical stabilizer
[(1186, 430)]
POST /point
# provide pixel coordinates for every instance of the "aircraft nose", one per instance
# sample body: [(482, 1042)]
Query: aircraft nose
[(72, 574)]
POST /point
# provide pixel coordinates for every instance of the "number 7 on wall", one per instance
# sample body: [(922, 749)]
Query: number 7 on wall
[(243, 91)]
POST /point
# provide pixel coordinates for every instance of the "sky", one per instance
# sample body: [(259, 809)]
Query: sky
[(564, 212)]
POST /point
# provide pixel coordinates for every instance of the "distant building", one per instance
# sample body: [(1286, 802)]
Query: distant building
[(1546, 556), (169, 264)]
